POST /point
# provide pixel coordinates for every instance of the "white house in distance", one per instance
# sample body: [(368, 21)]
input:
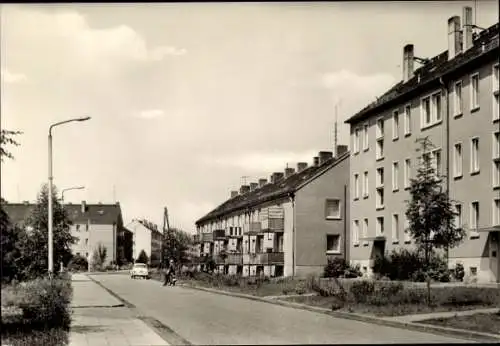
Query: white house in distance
[(147, 237)]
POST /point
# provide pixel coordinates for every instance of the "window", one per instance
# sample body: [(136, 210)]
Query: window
[(496, 105), (496, 174), (333, 209), (458, 215), (496, 212), (365, 184), (380, 225), (457, 160), (380, 128), (356, 186), (407, 234), (474, 163), (380, 198), (380, 177), (77, 227), (380, 149), (407, 173), (333, 243), (395, 228), (356, 140), (355, 232), (395, 176), (365, 228), (395, 125), (407, 120), (365, 137), (496, 145), (474, 216), (457, 99), (86, 241), (437, 161), (474, 91), (431, 110), (86, 227)]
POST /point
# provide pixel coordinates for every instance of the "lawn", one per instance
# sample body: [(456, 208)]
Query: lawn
[(486, 323)]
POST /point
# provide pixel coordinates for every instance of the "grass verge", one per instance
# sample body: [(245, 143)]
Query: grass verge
[(485, 323)]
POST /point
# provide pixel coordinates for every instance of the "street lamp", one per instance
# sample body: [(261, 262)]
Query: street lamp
[(51, 235), (69, 189)]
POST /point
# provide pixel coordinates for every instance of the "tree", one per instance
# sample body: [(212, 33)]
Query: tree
[(99, 256), (6, 138), (430, 211), (32, 239), (176, 246), (142, 258)]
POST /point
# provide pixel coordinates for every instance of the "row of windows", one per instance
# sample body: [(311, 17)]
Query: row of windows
[(474, 222), (431, 110)]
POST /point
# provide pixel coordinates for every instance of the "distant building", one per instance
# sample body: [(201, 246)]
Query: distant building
[(287, 227), (453, 99), (147, 237), (92, 224)]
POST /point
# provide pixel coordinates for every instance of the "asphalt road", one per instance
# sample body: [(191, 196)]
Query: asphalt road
[(206, 318)]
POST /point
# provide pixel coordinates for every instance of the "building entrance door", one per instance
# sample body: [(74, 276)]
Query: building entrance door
[(494, 258)]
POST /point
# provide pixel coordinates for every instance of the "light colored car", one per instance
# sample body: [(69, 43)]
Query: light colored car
[(139, 270)]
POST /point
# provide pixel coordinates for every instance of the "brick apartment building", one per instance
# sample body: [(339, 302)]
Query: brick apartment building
[(453, 99), (286, 227)]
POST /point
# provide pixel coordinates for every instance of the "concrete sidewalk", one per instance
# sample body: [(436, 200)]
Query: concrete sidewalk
[(435, 315), (101, 319)]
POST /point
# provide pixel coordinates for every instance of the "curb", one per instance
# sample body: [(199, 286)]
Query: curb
[(444, 331), (166, 333), (97, 306)]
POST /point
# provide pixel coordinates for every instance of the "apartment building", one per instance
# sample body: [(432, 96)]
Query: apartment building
[(92, 225), (147, 237), (453, 99), (288, 226)]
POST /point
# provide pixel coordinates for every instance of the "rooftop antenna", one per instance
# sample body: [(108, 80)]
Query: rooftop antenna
[(244, 179), (114, 194)]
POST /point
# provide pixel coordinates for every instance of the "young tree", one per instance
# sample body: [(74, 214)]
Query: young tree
[(176, 246), (99, 256), (33, 238), (142, 258), (430, 211)]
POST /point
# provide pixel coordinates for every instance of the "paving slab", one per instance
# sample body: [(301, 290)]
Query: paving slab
[(87, 293)]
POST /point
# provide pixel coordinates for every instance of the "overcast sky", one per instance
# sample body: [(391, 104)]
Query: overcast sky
[(186, 99)]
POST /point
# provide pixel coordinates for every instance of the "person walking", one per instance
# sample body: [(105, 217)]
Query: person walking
[(169, 273)]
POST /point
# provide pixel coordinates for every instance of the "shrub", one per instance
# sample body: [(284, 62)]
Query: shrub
[(338, 268), (389, 288), (360, 290), (459, 272), (301, 287), (78, 263), (400, 264)]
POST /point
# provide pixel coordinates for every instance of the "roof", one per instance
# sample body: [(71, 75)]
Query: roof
[(485, 45), (270, 192), (103, 214), (152, 227)]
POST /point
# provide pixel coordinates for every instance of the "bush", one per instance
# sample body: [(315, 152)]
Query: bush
[(339, 268), (78, 263), (45, 303), (400, 264), (360, 290), (459, 272)]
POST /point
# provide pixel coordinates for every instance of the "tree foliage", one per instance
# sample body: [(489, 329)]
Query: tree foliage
[(176, 246), (430, 211), (6, 138), (99, 256), (31, 242), (142, 258)]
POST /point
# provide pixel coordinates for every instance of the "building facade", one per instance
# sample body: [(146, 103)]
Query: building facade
[(453, 100), (92, 225), (147, 237), (287, 227)]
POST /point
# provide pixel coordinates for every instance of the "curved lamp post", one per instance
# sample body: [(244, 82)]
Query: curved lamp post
[(69, 189), (51, 231)]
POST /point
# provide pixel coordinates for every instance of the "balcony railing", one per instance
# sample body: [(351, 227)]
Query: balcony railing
[(196, 238), (219, 234), (252, 228), (273, 225), (234, 258), (264, 258), (207, 237)]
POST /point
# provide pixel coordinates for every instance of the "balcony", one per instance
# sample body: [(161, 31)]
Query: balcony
[(207, 237), (234, 258), (219, 234), (196, 238), (264, 258), (252, 228), (273, 225), (219, 259)]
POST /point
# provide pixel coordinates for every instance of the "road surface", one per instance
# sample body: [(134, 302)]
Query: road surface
[(205, 318)]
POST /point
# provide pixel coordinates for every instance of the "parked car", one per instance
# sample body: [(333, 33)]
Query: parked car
[(139, 270)]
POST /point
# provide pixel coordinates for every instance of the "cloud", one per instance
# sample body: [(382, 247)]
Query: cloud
[(159, 53), (259, 161), (11, 78), (151, 114)]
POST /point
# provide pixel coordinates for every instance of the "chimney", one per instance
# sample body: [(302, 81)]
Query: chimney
[(84, 206), (324, 156), (454, 37), (301, 166), (253, 186), (289, 172), (262, 182), (234, 194), (467, 28), (341, 149), (408, 56), (316, 161), (276, 177), (244, 189)]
